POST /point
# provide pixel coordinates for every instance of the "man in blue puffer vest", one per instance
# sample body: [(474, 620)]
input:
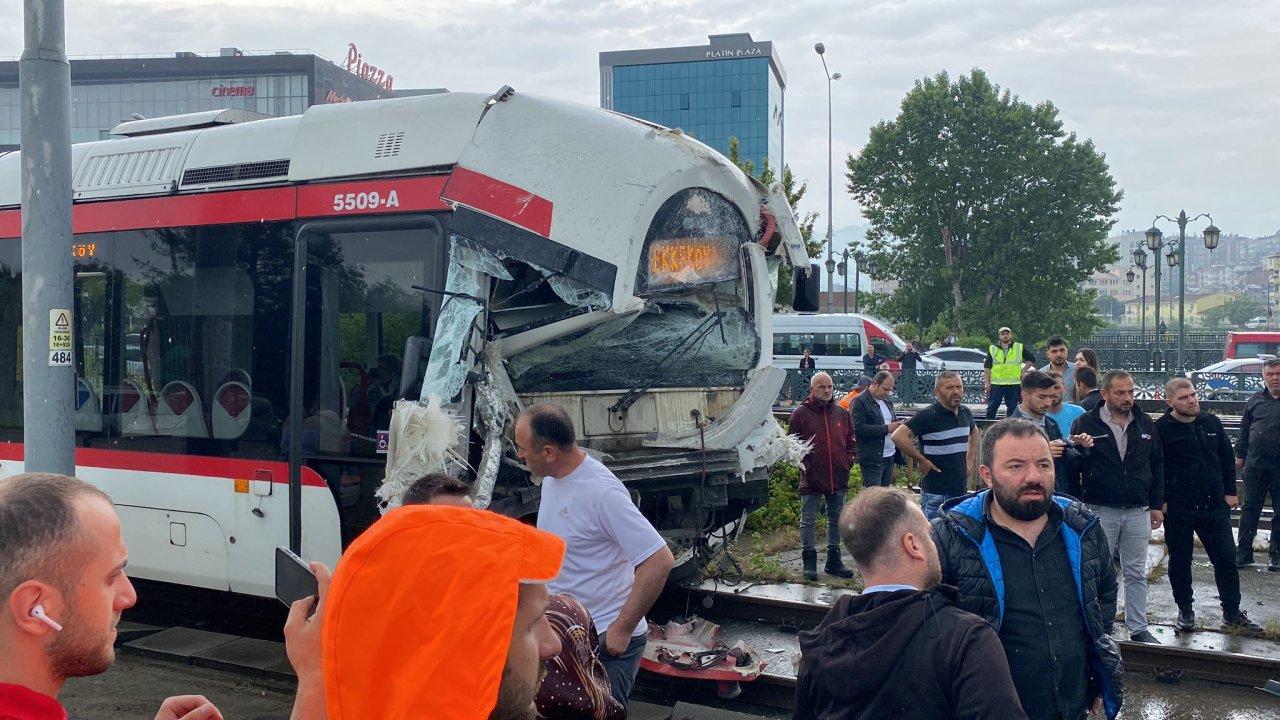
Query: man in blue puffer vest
[(1038, 568)]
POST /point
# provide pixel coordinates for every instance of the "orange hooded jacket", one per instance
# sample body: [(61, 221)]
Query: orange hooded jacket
[(419, 617)]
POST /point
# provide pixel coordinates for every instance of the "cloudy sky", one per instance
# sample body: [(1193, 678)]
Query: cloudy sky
[(1183, 97)]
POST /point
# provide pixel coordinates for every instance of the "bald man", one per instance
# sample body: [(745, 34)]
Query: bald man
[(824, 475)]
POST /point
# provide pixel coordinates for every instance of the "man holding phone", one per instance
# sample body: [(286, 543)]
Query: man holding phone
[(62, 580)]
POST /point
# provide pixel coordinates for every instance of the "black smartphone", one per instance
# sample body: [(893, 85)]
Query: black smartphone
[(294, 579)]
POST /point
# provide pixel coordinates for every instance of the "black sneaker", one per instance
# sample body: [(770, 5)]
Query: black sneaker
[(1144, 637), (1186, 619), (1244, 561), (1274, 565), (1239, 622)]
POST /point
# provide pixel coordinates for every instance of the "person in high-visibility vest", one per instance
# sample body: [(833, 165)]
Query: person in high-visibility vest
[(1002, 374)]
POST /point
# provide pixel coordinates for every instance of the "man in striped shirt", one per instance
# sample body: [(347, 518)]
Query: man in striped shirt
[(949, 439)]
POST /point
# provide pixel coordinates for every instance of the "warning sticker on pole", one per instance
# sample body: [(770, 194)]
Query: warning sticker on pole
[(60, 338)]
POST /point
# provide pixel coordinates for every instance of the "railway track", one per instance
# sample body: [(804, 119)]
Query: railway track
[(776, 611)]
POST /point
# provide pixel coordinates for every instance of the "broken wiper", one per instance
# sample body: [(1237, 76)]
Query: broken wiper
[(465, 296), (695, 337)]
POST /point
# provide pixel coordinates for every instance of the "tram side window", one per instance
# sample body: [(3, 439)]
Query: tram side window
[(367, 331), (11, 340), (203, 337)]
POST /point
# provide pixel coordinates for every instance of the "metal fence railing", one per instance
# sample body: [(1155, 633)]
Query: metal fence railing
[(916, 387)]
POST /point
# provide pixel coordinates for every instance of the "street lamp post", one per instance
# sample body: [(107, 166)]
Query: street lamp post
[(1140, 262), (1178, 257), (843, 269), (831, 262)]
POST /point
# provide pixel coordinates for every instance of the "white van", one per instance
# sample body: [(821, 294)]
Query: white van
[(837, 341)]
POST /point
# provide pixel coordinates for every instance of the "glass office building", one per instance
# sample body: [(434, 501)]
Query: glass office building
[(732, 87), (106, 92)]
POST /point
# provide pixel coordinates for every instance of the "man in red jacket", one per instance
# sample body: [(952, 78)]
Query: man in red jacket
[(824, 475)]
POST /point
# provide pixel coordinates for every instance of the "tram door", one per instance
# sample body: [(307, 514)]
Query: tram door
[(361, 333)]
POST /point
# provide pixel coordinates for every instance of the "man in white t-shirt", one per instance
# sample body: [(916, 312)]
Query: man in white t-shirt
[(615, 562)]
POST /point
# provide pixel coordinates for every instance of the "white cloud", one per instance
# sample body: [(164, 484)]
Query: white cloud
[(1181, 96)]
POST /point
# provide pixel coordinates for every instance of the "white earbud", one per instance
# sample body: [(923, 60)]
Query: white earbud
[(37, 612)]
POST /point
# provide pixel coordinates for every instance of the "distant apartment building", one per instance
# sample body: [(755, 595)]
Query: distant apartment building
[(108, 91), (733, 87)]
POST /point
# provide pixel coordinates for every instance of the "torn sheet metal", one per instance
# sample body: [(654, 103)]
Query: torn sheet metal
[(492, 416), (422, 440), (497, 406), (792, 240)]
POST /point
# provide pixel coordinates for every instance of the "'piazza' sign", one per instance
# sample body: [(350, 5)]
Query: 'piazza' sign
[(363, 70), (741, 52)]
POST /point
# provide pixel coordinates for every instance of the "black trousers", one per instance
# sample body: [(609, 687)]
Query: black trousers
[(1257, 484), (1010, 395), (1213, 525)]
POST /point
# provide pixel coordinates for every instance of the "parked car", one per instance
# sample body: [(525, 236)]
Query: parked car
[(958, 358), (1233, 379)]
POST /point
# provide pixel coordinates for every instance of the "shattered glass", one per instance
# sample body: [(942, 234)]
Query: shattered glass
[(469, 254), (447, 370), (668, 345), (576, 293)]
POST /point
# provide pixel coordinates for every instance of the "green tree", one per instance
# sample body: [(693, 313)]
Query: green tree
[(1235, 313), (1109, 307), (794, 191), (985, 208)]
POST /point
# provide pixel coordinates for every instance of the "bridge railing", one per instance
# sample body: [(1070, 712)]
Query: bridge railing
[(916, 387)]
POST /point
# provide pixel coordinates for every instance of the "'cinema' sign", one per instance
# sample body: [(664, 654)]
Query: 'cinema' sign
[(363, 70)]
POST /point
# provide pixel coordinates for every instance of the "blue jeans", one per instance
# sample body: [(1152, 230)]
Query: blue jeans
[(809, 516), (931, 503), (622, 669)]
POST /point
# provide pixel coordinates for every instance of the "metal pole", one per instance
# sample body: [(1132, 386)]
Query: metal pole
[(1158, 261), (1144, 306), (846, 284), (830, 194), (48, 378), (1182, 286)]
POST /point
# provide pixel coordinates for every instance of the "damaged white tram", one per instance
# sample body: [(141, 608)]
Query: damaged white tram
[(253, 295)]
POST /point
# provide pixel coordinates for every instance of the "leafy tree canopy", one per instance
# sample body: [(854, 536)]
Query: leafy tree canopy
[(985, 210)]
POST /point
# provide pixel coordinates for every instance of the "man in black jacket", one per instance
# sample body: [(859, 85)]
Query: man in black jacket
[(1258, 455), (873, 423), (1199, 490), (1087, 388), (1037, 566), (901, 649), (1039, 391), (1123, 484)]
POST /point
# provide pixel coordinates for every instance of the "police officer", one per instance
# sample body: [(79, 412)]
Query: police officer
[(1002, 374)]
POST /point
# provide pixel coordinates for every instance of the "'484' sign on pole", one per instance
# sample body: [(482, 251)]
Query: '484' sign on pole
[(60, 354)]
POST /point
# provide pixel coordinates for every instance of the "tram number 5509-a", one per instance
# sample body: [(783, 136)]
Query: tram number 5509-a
[(343, 202)]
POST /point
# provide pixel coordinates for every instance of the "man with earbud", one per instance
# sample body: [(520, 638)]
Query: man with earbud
[(63, 588)]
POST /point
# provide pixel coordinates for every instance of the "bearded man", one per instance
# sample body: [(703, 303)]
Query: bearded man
[(1038, 568)]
